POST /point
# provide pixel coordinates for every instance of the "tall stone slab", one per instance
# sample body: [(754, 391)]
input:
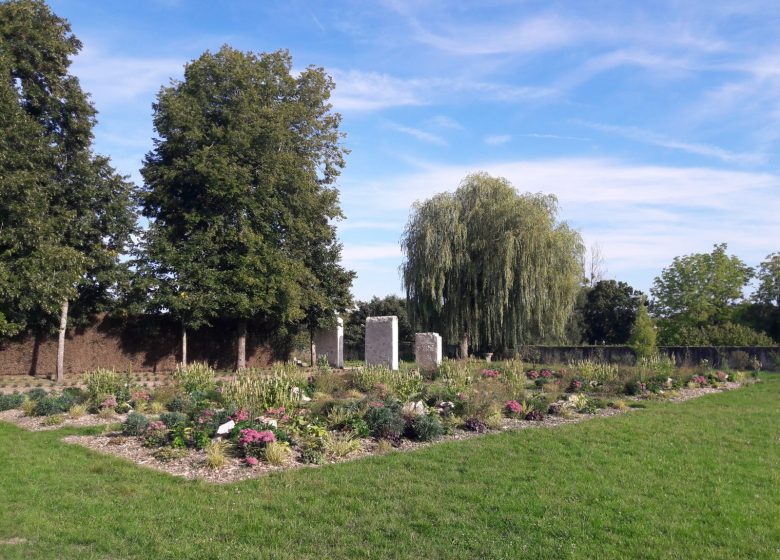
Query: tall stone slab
[(330, 343), (382, 341), (427, 350)]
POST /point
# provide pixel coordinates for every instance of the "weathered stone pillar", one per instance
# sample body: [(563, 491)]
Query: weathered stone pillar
[(382, 341), (427, 350), (330, 343)]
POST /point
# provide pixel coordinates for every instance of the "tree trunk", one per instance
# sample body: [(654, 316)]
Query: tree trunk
[(241, 360), (183, 345), (61, 343), (313, 349), (464, 346)]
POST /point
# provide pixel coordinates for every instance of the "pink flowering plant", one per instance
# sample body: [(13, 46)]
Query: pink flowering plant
[(251, 442), (546, 373), (490, 373), (142, 395), (699, 380), (109, 402), (532, 374), (514, 409)]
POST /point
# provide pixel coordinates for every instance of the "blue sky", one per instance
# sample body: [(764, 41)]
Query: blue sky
[(656, 124)]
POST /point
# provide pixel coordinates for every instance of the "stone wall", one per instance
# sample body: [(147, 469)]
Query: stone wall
[(138, 344)]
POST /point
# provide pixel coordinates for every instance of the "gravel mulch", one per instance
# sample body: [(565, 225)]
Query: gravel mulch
[(36, 423)]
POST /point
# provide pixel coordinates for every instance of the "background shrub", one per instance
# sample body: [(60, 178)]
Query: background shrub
[(385, 421), (256, 392), (7, 402), (173, 419), (426, 427), (135, 424)]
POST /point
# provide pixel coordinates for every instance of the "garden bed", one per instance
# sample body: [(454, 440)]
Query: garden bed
[(192, 464), (38, 423)]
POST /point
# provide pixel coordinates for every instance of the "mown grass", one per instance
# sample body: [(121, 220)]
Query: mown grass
[(700, 479)]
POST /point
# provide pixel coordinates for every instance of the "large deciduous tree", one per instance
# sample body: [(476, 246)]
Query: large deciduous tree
[(696, 297), (609, 312), (238, 190), (66, 215), (491, 268)]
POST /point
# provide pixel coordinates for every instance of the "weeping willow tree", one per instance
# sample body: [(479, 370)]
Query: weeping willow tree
[(488, 267)]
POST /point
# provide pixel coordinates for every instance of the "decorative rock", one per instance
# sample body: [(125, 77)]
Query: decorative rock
[(382, 341), (411, 409), (330, 343), (427, 350), (226, 428)]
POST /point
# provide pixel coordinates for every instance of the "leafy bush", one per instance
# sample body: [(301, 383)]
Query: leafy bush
[(257, 393), (195, 377), (135, 424), (36, 394), (385, 420), (101, 383), (475, 425), (173, 419), (52, 404), (7, 402), (312, 456), (156, 434), (404, 384), (426, 427), (167, 454), (534, 415)]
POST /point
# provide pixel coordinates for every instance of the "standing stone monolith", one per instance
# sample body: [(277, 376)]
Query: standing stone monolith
[(330, 343), (382, 341), (427, 350)]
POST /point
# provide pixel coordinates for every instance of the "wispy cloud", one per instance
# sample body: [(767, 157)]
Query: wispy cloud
[(707, 150), (497, 139), (443, 121), (553, 136), (421, 135), (115, 80), (370, 91)]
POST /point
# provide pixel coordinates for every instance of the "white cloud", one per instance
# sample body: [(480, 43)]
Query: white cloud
[(116, 80), (370, 91), (497, 139), (707, 150), (421, 135), (643, 215), (443, 121)]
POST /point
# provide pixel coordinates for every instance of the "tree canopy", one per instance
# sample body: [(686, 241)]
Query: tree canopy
[(238, 193), (487, 266), (66, 214), (609, 312)]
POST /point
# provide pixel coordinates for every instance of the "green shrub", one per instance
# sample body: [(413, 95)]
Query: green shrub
[(36, 394), (100, 383), (197, 377), (51, 405), (173, 419), (312, 456), (135, 424), (216, 454), (385, 420), (405, 384), (256, 393), (54, 420), (7, 402), (426, 427)]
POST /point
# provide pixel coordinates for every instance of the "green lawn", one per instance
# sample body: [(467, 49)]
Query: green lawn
[(699, 479)]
